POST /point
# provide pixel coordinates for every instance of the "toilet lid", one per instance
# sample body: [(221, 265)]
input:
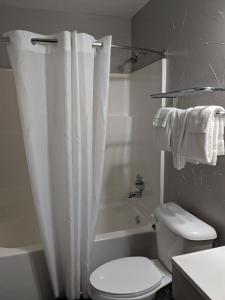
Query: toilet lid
[(127, 275)]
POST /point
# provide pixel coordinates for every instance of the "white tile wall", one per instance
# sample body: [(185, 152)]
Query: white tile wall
[(119, 94), (130, 147), (145, 155), (15, 192), (116, 179)]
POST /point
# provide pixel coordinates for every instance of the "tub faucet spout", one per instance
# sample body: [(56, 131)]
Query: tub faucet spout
[(136, 194)]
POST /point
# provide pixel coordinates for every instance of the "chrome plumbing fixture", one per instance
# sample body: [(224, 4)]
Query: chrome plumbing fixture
[(140, 185), (137, 220)]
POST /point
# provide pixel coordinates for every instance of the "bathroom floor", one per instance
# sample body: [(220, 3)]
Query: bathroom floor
[(163, 294)]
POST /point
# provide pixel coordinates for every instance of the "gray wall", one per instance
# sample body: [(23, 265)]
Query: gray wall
[(48, 22), (193, 33)]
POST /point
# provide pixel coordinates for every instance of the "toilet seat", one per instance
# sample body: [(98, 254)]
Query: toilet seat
[(126, 277)]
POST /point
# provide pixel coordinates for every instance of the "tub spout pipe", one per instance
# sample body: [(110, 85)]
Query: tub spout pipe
[(137, 194)]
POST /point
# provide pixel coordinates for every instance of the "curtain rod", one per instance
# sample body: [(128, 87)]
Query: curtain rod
[(94, 44)]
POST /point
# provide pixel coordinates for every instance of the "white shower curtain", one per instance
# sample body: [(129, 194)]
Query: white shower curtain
[(62, 97)]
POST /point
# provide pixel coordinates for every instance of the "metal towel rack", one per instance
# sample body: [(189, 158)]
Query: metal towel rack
[(190, 92)]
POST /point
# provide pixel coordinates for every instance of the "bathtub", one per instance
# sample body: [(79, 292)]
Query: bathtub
[(121, 219), (24, 273), (122, 230)]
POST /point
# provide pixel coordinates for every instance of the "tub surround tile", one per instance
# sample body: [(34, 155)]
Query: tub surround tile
[(145, 155), (119, 94), (13, 172), (9, 116), (16, 199), (13, 163), (116, 179), (117, 217), (130, 146)]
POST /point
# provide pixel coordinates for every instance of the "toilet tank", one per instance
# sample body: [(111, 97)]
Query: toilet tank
[(179, 232)]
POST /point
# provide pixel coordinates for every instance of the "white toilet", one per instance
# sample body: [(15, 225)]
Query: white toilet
[(132, 278)]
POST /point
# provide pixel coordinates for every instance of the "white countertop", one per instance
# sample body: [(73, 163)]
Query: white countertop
[(205, 270)]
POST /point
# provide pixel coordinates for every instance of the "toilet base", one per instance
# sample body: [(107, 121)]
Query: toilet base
[(98, 296)]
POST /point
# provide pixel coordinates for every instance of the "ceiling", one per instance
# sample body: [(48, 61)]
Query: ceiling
[(120, 8)]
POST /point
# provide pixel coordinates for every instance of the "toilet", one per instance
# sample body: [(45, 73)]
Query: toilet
[(178, 232)]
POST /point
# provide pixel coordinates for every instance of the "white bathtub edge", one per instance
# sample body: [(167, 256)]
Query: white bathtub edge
[(123, 233), (4, 252)]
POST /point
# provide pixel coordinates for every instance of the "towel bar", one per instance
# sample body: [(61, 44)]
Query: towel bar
[(189, 92)]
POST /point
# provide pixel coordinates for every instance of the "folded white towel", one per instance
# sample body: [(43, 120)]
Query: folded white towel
[(203, 139), (162, 123), (194, 135), (161, 116), (220, 141), (178, 121)]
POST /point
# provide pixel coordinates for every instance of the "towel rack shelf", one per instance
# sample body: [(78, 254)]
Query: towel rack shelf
[(189, 92)]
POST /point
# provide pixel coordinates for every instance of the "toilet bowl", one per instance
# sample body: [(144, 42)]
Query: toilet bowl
[(133, 278), (139, 278)]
